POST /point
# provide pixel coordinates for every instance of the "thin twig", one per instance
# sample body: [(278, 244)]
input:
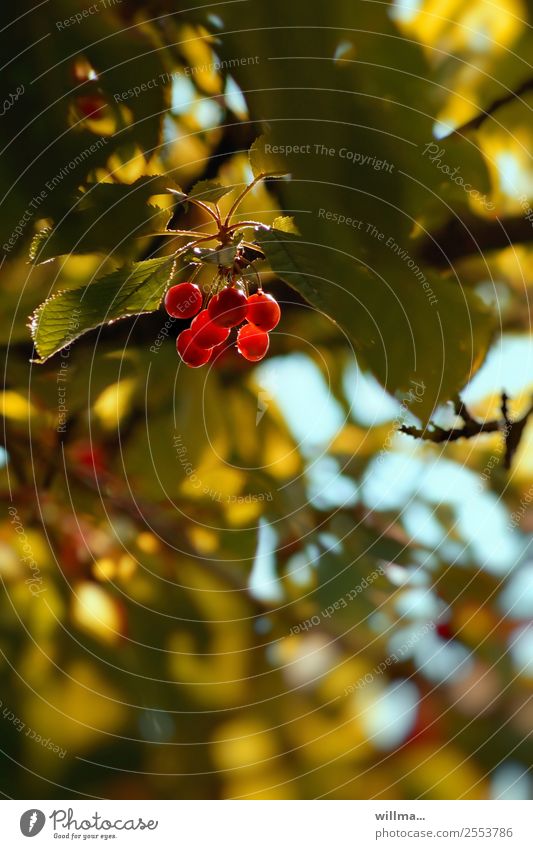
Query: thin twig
[(480, 119), (242, 225), (245, 191), (511, 430), (202, 205)]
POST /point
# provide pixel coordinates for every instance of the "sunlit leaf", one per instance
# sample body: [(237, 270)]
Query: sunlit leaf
[(209, 190), (285, 224), (406, 340), (130, 291), (266, 163)]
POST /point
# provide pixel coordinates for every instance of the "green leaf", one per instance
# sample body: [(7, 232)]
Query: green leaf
[(209, 191), (335, 122), (107, 217), (95, 194), (286, 224), (223, 256), (263, 161), (88, 231), (398, 329), (55, 154), (129, 291), (351, 110)]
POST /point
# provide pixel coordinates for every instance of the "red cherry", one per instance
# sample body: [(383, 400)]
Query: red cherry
[(206, 333), (191, 354), (228, 308), (443, 630), (82, 71), (220, 350), (263, 311), (183, 300), (252, 343), (91, 105), (90, 455)]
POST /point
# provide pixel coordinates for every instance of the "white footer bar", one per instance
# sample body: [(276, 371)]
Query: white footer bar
[(267, 824)]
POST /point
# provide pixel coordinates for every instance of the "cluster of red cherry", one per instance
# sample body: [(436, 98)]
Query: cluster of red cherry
[(87, 105), (210, 327)]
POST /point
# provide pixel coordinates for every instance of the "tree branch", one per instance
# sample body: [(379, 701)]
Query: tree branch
[(469, 236), (476, 122), (511, 431)]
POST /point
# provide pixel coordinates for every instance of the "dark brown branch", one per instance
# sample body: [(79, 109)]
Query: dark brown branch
[(465, 237), (434, 433), (470, 235), (476, 122), (511, 431), (461, 410), (513, 435)]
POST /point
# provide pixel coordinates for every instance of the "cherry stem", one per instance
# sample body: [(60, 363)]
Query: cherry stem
[(255, 271), (196, 271), (252, 246), (184, 233), (214, 215), (256, 249), (213, 288), (242, 195), (245, 225), (191, 244)]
